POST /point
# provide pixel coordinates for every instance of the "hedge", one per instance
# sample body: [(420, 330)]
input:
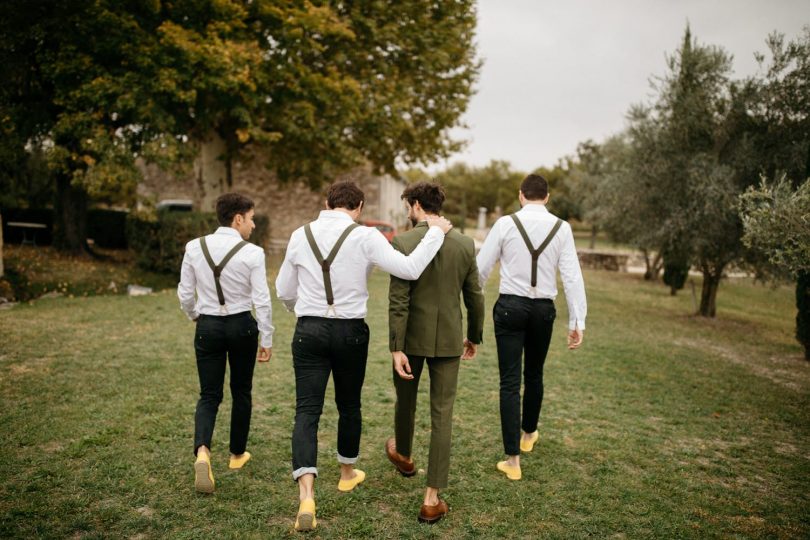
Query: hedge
[(107, 228), (159, 244)]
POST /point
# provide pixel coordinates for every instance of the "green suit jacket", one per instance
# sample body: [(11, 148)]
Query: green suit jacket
[(424, 316)]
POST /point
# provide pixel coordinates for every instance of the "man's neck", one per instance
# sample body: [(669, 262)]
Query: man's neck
[(540, 202), (346, 211)]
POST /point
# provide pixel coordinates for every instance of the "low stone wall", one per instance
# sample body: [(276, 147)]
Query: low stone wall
[(603, 260)]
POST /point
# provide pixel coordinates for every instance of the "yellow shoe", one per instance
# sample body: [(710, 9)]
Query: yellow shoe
[(238, 462), (305, 520), (203, 476), (512, 473), (528, 446), (348, 485)]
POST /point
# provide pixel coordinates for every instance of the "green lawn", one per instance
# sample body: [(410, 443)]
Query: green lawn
[(662, 426)]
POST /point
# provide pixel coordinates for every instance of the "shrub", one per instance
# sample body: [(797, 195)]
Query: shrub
[(107, 228), (159, 243)]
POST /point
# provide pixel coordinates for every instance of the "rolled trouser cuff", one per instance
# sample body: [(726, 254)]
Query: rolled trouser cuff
[(347, 460), (301, 471)]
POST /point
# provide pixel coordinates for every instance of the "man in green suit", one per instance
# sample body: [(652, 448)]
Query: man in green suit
[(424, 317)]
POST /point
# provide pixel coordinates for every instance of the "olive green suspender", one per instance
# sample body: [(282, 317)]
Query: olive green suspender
[(217, 268), (327, 263), (535, 252)]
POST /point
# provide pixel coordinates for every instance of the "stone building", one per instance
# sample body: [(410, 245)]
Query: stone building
[(287, 205)]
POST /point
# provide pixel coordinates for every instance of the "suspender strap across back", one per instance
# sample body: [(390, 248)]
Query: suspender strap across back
[(217, 268), (326, 264), (535, 252)]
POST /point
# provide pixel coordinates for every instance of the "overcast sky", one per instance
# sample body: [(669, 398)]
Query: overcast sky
[(559, 72)]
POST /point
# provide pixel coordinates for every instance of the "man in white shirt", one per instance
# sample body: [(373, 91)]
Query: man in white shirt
[(229, 277), (324, 280), (531, 245)]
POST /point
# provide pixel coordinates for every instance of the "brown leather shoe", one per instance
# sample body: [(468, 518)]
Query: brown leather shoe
[(432, 514), (404, 465)]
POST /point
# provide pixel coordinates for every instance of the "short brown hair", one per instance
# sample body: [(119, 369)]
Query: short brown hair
[(534, 187), (429, 194), (230, 204), (344, 195)]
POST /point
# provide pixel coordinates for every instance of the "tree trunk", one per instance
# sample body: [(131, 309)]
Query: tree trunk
[(708, 296), (653, 267), (803, 315), (211, 169), (70, 223), (594, 230)]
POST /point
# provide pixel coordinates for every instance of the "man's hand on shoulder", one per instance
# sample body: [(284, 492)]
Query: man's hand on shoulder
[(401, 365), (441, 222), (264, 354), (575, 338), (470, 350)]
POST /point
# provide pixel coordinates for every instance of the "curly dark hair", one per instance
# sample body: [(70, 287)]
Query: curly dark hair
[(429, 194)]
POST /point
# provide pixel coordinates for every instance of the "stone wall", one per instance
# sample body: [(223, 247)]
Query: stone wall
[(287, 205)]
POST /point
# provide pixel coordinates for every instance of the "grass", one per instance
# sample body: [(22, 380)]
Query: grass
[(663, 425), (31, 272)]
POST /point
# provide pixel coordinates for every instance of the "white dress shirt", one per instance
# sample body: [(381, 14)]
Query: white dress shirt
[(243, 281), (300, 280), (506, 244)]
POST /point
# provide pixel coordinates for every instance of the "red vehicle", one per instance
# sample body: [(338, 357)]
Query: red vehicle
[(384, 227)]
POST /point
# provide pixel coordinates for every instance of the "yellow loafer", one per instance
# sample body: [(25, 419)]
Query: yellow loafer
[(239, 462), (348, 485), (203, 476), (512, 473), (528, 446), (305, 520)]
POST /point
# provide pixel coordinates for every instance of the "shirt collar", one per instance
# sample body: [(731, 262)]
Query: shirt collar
[(230, 231), (535, 207), (334, 214)]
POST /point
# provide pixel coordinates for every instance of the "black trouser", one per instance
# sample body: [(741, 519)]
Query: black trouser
[(522, 325), (321, 346), (234, 337)]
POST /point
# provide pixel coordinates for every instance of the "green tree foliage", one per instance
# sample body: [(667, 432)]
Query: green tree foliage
[(673, 186), (776, 221), (322, 85), (494, 187)]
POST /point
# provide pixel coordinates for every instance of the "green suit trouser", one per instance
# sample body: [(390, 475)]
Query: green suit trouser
[(443, 383)]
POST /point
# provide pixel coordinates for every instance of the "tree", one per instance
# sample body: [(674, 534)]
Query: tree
[(776, 222), (320, 86), (493, 186), (74, 87), (327, 86)]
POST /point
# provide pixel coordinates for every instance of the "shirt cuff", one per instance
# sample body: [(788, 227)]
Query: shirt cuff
[(267, 342), (576, 324)]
